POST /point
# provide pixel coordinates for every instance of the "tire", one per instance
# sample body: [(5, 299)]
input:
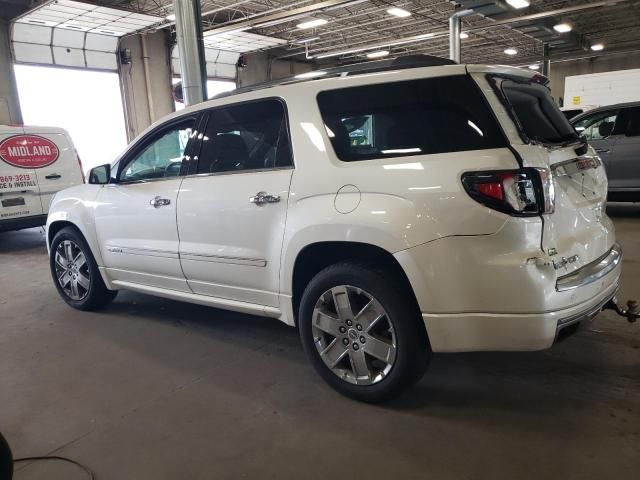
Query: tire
[(79, 284), (348, 339)]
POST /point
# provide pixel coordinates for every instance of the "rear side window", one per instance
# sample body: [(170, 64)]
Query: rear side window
[(535, 112), (416, 117), (249, 136)]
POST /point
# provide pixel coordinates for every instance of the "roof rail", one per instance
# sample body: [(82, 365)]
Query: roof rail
[(409, 61)]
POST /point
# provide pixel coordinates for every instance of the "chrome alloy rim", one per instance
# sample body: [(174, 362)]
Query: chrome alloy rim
[(354, 335), (72, 270)]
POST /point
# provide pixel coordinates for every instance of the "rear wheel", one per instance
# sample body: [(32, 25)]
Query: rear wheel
[(75, 272), (363, 335)]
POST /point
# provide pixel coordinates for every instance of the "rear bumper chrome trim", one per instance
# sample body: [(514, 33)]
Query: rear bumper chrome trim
[(592, 271)]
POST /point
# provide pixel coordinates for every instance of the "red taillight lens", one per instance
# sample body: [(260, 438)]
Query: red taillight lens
[(493, 190), (524, 192)]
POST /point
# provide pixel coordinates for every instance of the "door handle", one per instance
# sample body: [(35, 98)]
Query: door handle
[(262, 198), (603, 150), (53, 176), (158, 202)]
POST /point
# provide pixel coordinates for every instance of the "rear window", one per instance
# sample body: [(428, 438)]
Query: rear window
[(416, 117), (535, 112)]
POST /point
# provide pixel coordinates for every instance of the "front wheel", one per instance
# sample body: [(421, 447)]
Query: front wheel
[(75, 272), (363, 335)]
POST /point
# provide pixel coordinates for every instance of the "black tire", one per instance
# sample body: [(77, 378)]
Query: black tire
[(413, 351), (97, 295)]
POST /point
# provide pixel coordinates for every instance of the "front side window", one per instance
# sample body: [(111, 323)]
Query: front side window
[(249, 136), (416, 117), (597, 126), (162, 157)]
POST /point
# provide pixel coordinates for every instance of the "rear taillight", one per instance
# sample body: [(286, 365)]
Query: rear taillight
[(524, 192)]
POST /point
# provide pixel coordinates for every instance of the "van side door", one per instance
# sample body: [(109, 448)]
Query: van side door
[(232, 208), (64, 172)]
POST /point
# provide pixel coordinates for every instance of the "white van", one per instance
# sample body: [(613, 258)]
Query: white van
[(35, 164)]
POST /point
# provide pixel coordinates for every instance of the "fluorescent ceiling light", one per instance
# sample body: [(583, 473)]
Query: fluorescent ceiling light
[(378, 54), (518, 3), (312, 74), (464, 35), (316, 22), (398, 12), (171, 17), (596, 47), (510, 51), (562, 28), (534, 67)]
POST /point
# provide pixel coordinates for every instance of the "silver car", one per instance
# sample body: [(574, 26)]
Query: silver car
[(614, 131)]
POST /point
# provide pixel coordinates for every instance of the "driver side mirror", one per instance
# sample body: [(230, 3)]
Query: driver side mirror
[(100, 175)]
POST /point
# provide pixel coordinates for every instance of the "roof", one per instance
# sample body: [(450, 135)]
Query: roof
[(402, 63)]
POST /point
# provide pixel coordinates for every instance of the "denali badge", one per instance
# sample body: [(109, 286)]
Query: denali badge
[(564, 262)]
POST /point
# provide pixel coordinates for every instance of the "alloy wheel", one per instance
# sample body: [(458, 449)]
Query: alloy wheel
[(72, 270), (354, 335)]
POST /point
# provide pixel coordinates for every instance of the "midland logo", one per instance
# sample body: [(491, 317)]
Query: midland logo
[(28, 151)]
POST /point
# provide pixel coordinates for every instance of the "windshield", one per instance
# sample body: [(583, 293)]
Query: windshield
[(535, 112)]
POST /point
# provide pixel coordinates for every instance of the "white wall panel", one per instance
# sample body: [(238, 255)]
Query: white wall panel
[(32, 53), (24, 32), (601, 89), (68, 38), (68, 57), (101, 60)]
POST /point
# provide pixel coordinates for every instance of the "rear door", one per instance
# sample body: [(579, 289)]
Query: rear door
[(19, 193), (578, 229), (624, 167), (232, 210), (62, 173)]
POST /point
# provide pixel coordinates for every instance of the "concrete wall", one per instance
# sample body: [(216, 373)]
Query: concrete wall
[(9, 102), (146, 89), (560, 70), (262, 67)]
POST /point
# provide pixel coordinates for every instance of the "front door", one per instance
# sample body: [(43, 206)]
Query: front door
[(232, 209), (136, 214)]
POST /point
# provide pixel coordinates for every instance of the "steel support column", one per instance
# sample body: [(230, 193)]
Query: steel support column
[(455, 28), (546, 61), (191, 48)]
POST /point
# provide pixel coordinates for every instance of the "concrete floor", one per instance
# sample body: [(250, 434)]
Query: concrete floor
[(155, 389)]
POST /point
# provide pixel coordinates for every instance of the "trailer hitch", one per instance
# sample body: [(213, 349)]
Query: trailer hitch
[(632, 312)]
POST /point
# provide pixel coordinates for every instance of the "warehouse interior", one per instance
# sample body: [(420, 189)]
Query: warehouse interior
[(153, 388)]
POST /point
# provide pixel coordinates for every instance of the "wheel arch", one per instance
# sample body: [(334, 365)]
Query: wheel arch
[(316, 256)]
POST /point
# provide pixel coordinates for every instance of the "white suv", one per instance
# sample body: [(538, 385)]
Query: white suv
[(388, 212)]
